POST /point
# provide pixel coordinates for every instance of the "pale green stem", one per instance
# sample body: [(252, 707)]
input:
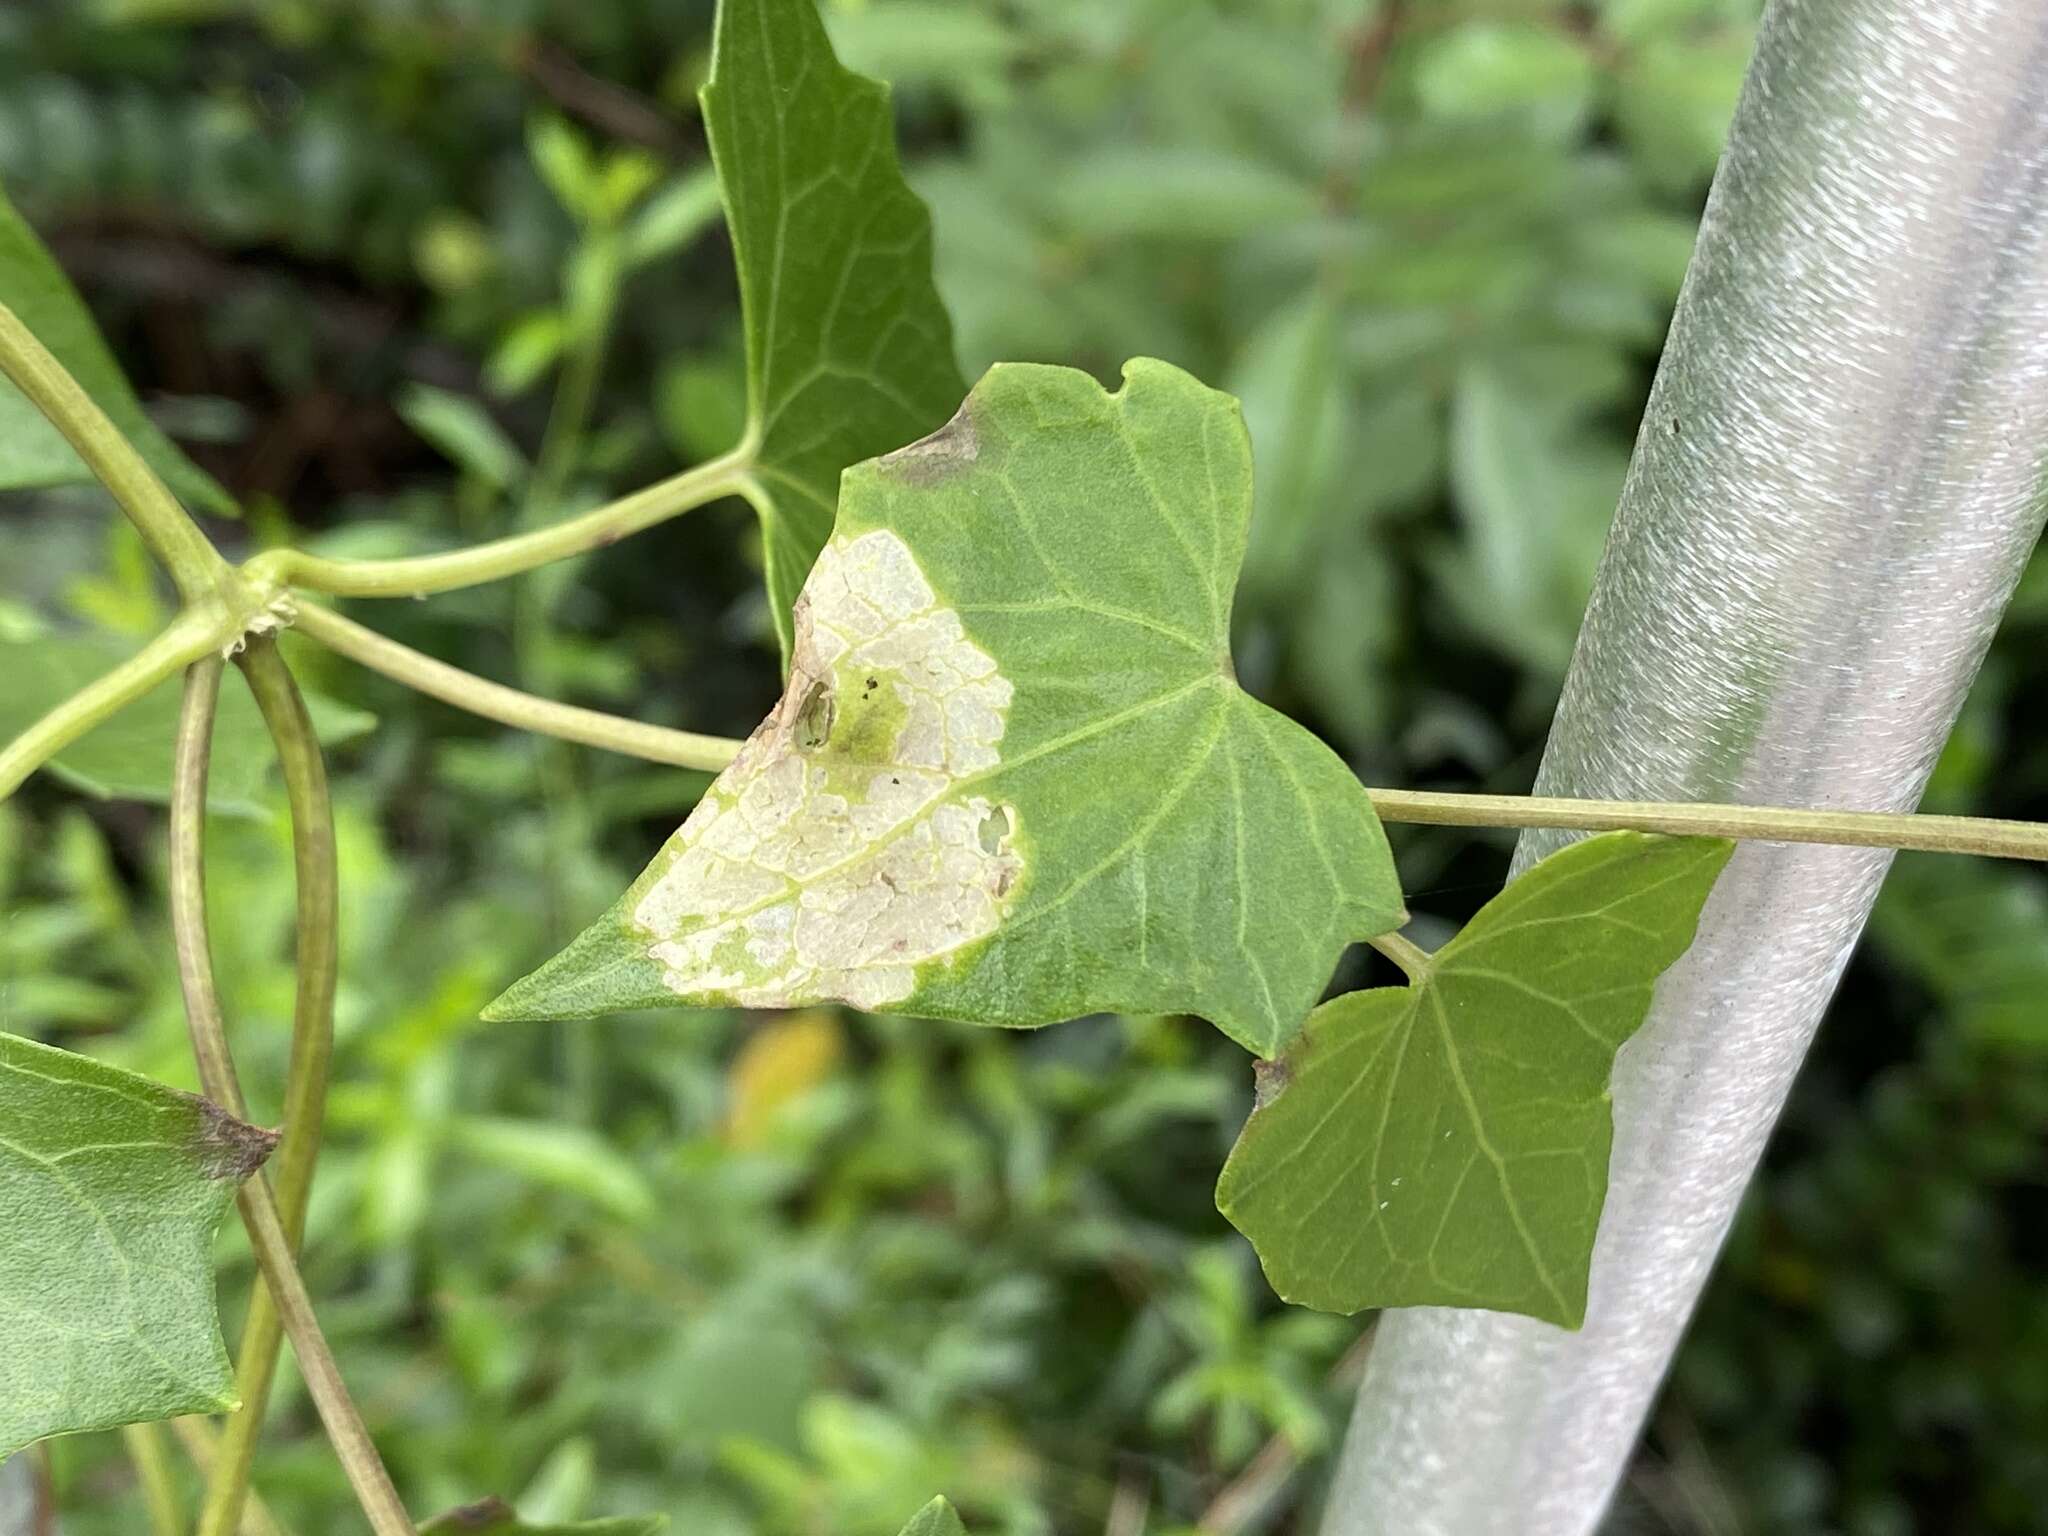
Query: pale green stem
[(165, 527), (267, 1237), (594, 529), (1759, 823), (152, 1463), (201, 1445), (1412, 958), (346, 1431), (305, 1092), (508, 706), (191, 635), (187, 877)]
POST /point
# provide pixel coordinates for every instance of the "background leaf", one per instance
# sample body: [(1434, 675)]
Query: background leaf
[(849, 351), (494, 1517), (34, 453), (111, 1190), (1446, 1143), (129, 756)]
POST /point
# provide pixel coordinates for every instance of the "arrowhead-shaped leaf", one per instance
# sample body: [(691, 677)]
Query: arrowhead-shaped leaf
[(1445, 1143), (112, 1188), (32, 452), (1014, 779), (494, 1517), (937, 1518), (849, 351)]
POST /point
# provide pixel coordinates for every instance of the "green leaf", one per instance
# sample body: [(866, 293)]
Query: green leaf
[(466, 434), (112, 1189), (494, 1517), (1489, 70), (937, 1518), (32, 452), (849, 351), (1445, 1143), (129, 757), (1014, 779)]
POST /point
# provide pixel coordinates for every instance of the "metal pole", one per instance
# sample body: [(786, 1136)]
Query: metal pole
[(20, 1497), (1834, 489)]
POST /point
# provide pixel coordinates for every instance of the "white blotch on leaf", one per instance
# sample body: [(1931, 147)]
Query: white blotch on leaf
[(837, 853)]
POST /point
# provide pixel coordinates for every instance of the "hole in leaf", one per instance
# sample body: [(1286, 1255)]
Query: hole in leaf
[(995, 826)]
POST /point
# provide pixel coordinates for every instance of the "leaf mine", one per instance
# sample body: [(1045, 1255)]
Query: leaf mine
[(836, 854)]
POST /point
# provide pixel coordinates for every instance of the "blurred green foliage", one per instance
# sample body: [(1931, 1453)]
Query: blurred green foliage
[(403, 273)]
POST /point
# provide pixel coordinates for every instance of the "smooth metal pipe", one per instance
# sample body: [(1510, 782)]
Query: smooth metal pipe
[(1837, 482), (19, 1498)]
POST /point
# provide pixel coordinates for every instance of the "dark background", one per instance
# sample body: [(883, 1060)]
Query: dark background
[(404, 273)]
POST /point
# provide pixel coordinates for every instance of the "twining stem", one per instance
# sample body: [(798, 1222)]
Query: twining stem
[(201, 1445), (267, 1236), (345, 1429), (417, 577), (152, 1463), (189, 764), (171, 535), (1770, 824), (1761, 823), (305, 1091), (191, 635), (508, 706)]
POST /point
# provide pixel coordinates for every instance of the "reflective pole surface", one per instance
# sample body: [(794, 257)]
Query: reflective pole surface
[(1837, 481), (19, 1498)]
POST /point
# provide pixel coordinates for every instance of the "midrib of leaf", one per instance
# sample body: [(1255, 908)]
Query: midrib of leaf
[(113, 1244), (1486, 1146)]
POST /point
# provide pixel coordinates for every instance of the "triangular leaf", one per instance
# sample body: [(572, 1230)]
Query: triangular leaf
[(32, 452), (849, 351), (1445, 1143), (1014, 779), (494, 1517), (937, 1518), (112, 1189)]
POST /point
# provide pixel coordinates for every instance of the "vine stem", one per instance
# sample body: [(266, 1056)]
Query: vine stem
[(728, 475), (1761, 823), (192, 635), (201, 1445), (145, 1445), (509, 706), (346, 1431), (1413, 959), (195, 566), (317, 947), (267, 1236)]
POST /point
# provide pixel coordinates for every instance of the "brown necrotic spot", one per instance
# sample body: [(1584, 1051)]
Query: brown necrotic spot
[(945, 453), (1269, 1080), (227, 1148)]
